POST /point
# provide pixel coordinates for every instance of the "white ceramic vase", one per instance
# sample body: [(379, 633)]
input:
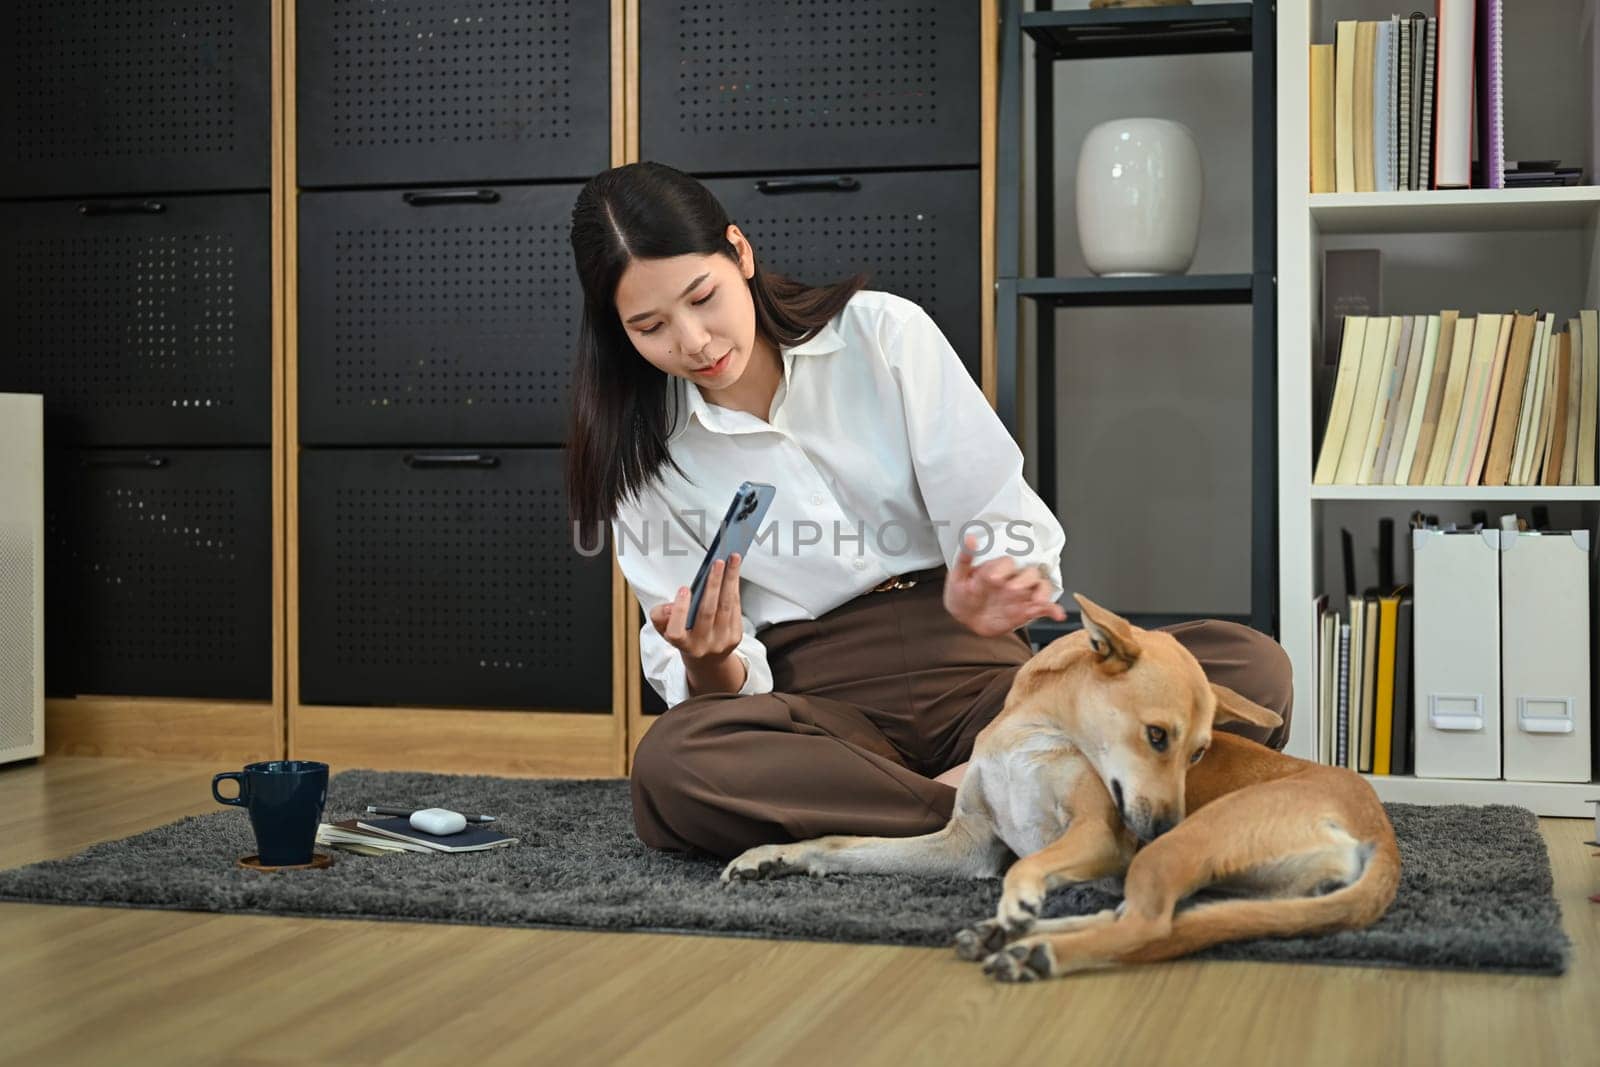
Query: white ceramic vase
[(1140, 187)]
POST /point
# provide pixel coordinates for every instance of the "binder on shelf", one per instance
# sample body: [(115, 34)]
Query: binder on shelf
[(1544, 642), (1400, 728), (1369, 683), (1456, 636), (1388, 695)]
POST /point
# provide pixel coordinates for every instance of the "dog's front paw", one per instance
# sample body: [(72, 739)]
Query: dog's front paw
[(1018, 912), (768, 861), (1024, 961), (980, 941)]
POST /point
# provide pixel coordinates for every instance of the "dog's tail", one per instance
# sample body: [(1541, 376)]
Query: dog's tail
[(1350, 907)]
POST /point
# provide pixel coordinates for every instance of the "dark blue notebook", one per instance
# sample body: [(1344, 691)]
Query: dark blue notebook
[(472, 839)]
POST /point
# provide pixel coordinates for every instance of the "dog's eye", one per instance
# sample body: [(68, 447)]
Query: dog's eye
[(1197, 754), (1157, 736)]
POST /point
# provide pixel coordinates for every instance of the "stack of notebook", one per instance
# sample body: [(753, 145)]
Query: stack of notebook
[(1395, 102), (382, 835), (1496, 399)]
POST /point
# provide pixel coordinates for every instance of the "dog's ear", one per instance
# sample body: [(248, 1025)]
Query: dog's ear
[(1109, 635), (1232, 706)]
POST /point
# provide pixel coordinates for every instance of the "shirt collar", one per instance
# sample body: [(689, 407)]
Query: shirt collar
[(691, 405), (827, 339)]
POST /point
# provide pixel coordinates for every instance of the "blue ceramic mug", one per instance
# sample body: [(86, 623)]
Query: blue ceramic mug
[(285, 800)]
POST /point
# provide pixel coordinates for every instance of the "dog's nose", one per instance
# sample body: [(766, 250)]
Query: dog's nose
[(1161, 826)]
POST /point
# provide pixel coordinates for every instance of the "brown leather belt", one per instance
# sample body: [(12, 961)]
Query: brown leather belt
[(906, 581)]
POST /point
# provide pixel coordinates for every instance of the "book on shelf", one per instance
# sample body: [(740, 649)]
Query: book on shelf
[(1361, 104), (1484, 397), (1402, 718), (1453, 29), (1559, 406), (1352, 284), (1544, 174), (1342, 697), (1344, 122), (1369, 683), (1387, 691), (1429, 109), (1397, 103), (1588, 395), (1511, 415), (1402, 117), (1322, 118), (1350, 756), (1496, 399), (1383, 132), (1364, 705), (1392, 399), (1420, 389), (1327, 673), (1437, 460), (1489, 86)]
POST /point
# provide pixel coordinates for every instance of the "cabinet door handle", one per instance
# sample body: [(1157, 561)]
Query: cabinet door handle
[(122, 207), (125, 461), (451, 196), (842, 183), (450, 459)]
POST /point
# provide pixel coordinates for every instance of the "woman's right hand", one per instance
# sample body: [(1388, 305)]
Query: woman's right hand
[(707, 649)]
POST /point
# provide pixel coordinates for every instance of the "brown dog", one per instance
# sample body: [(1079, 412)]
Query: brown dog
[(1103, 762)]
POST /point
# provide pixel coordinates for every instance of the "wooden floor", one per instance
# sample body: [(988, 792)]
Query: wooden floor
[(102, 985)]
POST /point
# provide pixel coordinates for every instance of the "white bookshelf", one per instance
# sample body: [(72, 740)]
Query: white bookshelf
[(1546, 798), (1567, 218), (1444, 210), (1466, 494)]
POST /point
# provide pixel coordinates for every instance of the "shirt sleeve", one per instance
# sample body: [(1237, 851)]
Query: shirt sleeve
[(968, 467), (638, 532)]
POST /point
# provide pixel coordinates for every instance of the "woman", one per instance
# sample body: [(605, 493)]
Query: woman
[(834, 681)]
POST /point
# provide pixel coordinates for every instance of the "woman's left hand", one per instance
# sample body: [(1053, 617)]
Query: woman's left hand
[(996, 597)]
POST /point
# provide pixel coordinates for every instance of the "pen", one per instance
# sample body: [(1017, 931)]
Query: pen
[(379, 809)]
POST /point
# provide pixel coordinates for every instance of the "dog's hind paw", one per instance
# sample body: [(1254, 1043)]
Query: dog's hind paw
[(1024, 961), (980, 941)]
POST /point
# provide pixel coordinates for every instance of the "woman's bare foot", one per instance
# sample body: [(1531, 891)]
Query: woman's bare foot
[(953, 776)]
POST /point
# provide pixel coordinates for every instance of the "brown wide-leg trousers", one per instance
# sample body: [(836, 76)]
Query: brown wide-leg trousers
[(870, 703)]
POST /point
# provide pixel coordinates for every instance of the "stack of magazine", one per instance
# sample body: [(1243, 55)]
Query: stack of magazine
[(380, 836)]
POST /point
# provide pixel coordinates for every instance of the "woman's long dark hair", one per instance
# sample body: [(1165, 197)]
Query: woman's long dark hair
[(620, 417)]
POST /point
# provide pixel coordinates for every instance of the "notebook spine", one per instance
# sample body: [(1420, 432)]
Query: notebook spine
[(1497, 112), (1430, 122), (1341, 745)]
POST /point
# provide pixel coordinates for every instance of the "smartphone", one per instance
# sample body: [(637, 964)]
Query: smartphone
[(737, 530)]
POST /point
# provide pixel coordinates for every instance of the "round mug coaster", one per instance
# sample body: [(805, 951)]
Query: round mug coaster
[(319, 860)]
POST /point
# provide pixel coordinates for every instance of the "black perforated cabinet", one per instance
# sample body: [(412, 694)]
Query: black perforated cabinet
[(121, 96), (444, 315), (917, 233), (450, 578), (158, 572), (142, 320), (441, 91), (731, 85)]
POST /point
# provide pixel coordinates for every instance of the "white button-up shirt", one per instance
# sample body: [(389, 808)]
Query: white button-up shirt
[(882, 450)]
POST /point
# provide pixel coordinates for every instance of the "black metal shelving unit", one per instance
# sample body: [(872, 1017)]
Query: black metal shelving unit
[(1125, 32)]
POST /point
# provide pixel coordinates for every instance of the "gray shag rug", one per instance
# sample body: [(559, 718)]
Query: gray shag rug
[(1475, 893)]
